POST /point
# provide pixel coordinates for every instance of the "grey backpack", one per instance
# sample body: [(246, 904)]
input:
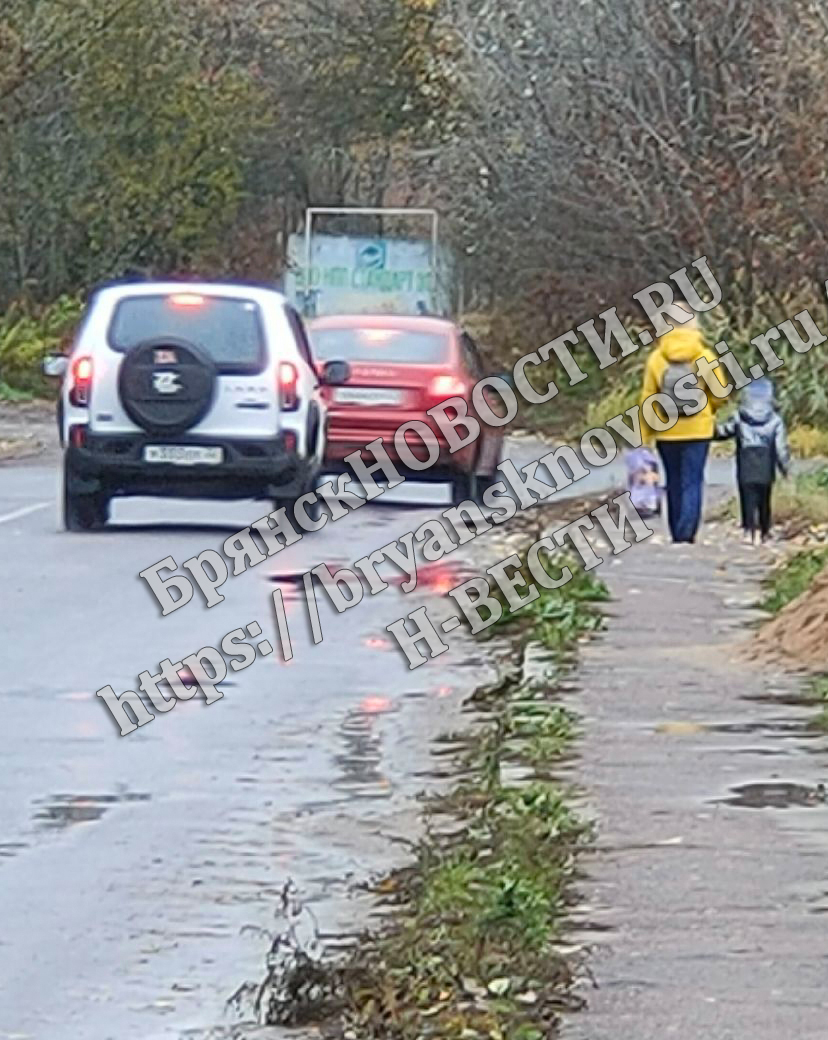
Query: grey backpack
[(673, 374)]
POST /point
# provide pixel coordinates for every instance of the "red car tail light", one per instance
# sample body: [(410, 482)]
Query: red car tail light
[(81, 382), (442, 388), (288, 386)]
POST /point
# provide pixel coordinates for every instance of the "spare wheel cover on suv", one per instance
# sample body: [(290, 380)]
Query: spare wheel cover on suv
[(166, 385)]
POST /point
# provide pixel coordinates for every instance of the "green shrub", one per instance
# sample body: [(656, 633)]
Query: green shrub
[(26, 335), (809, 442)]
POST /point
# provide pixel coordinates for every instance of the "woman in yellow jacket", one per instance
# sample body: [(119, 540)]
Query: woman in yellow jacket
[(683, 447)]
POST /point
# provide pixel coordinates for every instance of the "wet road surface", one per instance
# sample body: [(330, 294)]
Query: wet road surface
[(136, 873)]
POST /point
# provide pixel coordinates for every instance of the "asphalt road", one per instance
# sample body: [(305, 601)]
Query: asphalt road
[(135, 872)]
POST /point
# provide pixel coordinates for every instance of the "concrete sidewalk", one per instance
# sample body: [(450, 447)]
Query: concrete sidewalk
[(706, 901)]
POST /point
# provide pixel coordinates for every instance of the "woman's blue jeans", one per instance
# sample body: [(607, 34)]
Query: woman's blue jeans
[(684, 463)]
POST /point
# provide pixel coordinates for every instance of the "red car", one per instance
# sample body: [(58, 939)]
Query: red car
[(400, 368)]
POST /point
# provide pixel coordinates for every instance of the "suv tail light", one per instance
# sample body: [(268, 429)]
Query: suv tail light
[(81, 382), (288, 386), (77, 435), (441, 388)]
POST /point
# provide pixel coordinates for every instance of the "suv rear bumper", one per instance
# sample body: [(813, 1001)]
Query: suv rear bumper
[(115, 463)]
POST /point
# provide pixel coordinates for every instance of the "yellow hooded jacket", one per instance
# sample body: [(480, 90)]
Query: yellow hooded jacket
[(683, 345)]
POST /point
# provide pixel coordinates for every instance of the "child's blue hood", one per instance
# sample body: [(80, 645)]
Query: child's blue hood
[(756, 402)]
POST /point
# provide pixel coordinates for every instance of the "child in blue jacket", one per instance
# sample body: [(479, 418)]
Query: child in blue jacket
[(761, 451)]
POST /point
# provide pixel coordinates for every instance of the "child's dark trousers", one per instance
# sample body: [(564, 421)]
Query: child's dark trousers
[(756, 507)]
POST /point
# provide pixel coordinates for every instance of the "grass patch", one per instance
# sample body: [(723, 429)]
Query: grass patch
[(802, 501), (788, 581), (472, 951), (809, 442), (11, 395)]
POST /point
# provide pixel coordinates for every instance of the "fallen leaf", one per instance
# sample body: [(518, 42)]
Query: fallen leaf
[(500, 986), (473, 988), (528, 998)]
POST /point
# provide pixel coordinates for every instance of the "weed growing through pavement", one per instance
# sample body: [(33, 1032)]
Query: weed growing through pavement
[(557, 618)]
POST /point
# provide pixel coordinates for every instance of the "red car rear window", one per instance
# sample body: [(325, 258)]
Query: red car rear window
[(385, 345)]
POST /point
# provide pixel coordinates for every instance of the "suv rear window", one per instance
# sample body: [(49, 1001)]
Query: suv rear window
[(384, 345), (227, 328)]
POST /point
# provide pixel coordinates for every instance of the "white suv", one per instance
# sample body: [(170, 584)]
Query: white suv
[(189, 389)]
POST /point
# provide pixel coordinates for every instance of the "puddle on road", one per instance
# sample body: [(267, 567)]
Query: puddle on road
[(439, 578), (359, 764), (770, 727), (775, 795), (785, 700), (376, 705), (292, 578), (451, 744), (778, 727), (11, 848), (469, 662), (785, 695), (377, 643), (64, 810), (189, 680), (297, 577), (765, 752)]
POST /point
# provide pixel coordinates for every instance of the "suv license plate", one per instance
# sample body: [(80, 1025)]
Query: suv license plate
[(367, 395), (183, 454)]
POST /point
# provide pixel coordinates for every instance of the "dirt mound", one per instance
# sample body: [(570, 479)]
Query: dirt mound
[(798, 635)]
